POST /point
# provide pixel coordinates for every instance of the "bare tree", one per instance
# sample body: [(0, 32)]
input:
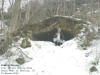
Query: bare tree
[(2, 16), (27, 13), (14, 17)]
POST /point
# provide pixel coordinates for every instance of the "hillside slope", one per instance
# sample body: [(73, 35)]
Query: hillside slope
[(48, 59), (44, 30)]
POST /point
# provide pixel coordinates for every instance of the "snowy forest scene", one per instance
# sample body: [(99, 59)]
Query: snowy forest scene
[(50, 37)]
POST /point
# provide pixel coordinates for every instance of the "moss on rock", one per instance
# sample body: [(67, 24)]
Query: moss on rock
[(93, 69), (25, 43), (29, 34), (20, 61), (77, 28)]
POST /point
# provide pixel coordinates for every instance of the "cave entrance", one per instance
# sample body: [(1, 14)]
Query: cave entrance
[(48, 36)]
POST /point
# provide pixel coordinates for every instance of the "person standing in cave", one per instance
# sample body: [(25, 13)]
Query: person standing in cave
[(58, 38)]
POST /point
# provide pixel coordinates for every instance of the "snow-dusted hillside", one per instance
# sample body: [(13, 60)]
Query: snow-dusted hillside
[(48, 59), (3, 30), (44, 58), (7, 4)]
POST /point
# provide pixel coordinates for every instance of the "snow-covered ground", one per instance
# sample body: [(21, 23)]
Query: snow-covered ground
[(48, 59)]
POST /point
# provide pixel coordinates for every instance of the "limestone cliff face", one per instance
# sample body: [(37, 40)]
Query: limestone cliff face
[(44, 31)]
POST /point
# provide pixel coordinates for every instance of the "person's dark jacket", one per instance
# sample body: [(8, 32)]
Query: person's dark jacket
[(61, 36)]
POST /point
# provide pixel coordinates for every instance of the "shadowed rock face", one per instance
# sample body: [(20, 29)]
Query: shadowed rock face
[(51, 24), (48, 36), (45, 30)]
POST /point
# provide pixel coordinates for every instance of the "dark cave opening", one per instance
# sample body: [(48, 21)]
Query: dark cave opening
[(48, 36)]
